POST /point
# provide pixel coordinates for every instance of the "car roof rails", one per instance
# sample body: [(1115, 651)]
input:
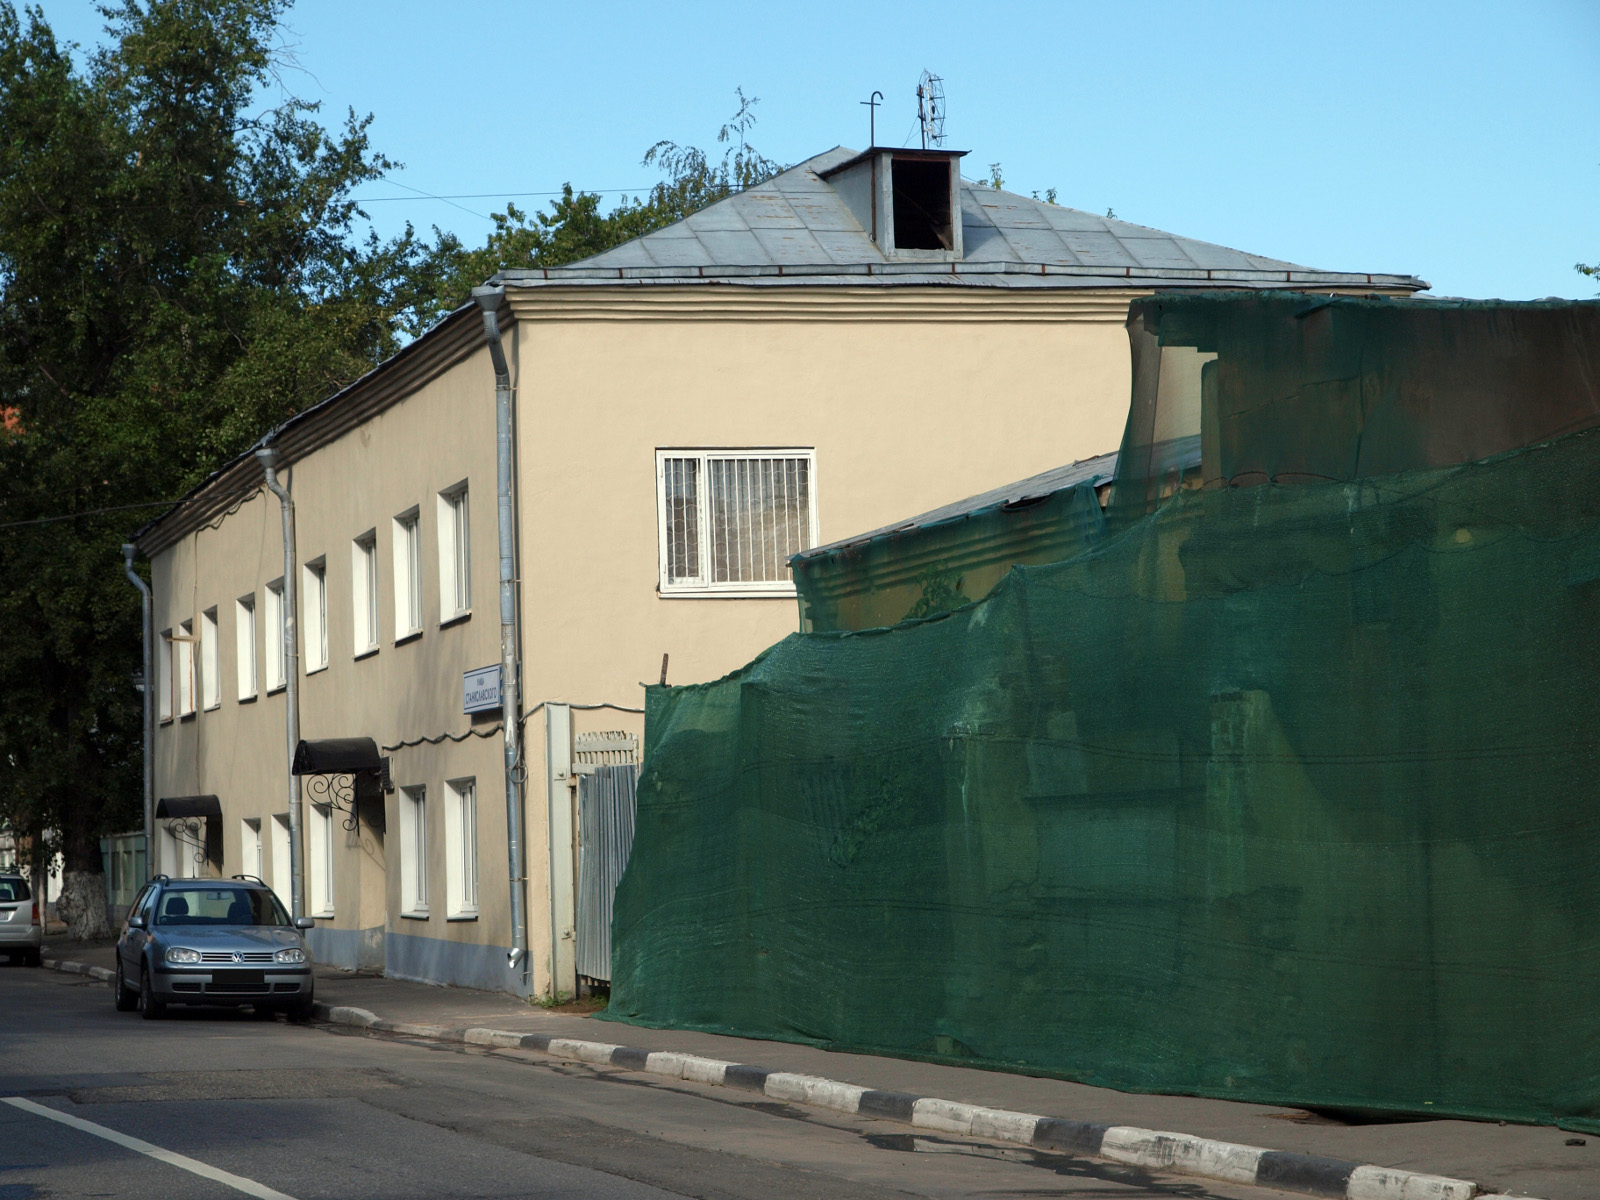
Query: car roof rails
[(251, 879)]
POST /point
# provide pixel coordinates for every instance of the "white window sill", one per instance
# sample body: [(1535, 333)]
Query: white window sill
[(420, 914), (316, 670), (273, 691), (446, 622), (408, 637), (214, 707), (730, 593), (322, 916), (463, 916), (367, 653), (250, 699)]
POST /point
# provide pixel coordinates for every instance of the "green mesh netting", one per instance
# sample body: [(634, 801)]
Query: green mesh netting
[(1282, 794)]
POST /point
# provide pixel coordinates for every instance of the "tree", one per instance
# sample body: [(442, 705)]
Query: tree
[(177, 274), (575, 227)]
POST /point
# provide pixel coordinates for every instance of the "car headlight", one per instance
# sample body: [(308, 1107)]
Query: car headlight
[(182, 954), (291, 955)]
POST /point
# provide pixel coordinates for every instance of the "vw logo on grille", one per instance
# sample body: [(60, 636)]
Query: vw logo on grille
[(237, 957)]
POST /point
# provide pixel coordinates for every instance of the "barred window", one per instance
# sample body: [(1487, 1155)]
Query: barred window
[(731, 519)]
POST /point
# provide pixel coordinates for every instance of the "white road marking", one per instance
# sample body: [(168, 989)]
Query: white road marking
[(238, 1182)]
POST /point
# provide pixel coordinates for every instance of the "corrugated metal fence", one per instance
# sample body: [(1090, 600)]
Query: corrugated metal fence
[(606, 802)]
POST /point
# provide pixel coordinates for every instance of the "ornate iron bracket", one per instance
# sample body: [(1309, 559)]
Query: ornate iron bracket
[(186, 832), (337, 792)]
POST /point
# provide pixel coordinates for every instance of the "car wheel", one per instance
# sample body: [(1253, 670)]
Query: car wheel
[(33, 958), (150, 1008), (300, 1010), (126, 1001)]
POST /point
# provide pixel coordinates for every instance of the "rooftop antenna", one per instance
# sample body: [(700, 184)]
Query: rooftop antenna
[(930, 109), (872, 103)]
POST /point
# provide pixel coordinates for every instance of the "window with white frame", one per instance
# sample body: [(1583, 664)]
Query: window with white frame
[(455, 553), (164, 676), (244, 645), (364, 591), (414, 852), (183, 667), (250, 856), (320, 858), (276, 661), (461, 847), (210, 661), (407, 575), (314, 604), (282, 879), (729, 520)]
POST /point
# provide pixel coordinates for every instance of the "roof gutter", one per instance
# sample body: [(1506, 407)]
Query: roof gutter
[(489, 300)]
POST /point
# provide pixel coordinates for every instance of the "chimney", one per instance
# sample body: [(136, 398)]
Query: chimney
[(908, 201)]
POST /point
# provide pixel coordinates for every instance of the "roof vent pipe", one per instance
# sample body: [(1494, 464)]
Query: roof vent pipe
[(268, 457), (489, 300), (146, 635)]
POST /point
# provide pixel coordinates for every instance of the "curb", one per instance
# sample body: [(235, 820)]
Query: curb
[(1178, 1153)]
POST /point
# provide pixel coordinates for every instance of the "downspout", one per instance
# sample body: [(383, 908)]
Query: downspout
[(489, 299), (268, 457), (147, 635)]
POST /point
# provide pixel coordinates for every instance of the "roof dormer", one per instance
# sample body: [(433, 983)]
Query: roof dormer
[(908, 201)]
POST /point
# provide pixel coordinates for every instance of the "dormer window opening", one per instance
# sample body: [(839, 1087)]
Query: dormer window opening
[(922, 204)]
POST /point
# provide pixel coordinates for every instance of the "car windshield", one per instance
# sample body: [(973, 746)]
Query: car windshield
[(14, 889), (220, 906)]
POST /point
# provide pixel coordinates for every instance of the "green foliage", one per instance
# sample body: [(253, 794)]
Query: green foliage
[(576, 228), (177, 274), (180, 272)]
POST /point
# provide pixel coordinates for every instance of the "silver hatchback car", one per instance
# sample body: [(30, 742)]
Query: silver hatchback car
[(21, 934), (212, 942)]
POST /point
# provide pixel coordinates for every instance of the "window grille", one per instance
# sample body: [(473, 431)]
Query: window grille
[(731, 520)]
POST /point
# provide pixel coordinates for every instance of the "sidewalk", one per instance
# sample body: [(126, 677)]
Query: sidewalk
[(1512, 1159)]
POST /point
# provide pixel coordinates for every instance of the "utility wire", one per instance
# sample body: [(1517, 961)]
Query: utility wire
[(88, 512)]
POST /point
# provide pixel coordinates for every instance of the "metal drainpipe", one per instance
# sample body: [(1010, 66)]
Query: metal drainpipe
[(268, 457), (147, 635), (488, 299)]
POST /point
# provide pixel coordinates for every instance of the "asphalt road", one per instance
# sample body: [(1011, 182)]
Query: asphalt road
[(215, 1104)]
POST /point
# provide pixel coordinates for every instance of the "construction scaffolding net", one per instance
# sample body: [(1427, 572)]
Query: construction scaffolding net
[(1286, 794)]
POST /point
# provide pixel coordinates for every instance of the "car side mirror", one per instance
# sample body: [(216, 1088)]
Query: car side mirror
[(135, 922), (304, 923)]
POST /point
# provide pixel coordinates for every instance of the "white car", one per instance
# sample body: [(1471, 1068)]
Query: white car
[(21, 933)]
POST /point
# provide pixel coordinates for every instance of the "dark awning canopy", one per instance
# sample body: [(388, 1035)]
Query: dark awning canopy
[(337, 756), (188, 806)]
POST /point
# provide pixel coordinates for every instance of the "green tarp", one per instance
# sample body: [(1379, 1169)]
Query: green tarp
[(1280, 793)]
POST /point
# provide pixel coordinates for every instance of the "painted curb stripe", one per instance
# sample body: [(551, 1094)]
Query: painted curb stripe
[(1075, 1137), (752, 1079), (1179, 1153), (182, 1161), (892, 1106), (1305, 1173)]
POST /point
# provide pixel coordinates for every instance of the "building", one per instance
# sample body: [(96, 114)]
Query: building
[(861, 336)]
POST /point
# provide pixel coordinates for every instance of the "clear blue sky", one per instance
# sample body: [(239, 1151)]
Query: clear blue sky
[(1455, 141)]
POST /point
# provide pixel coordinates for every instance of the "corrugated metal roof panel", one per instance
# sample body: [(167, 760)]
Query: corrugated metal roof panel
[(999, 230), (1094, 471)]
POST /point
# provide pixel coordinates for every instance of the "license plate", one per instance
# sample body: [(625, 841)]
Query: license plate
[(238, 977)]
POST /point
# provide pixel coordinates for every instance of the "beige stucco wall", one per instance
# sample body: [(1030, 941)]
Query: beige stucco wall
[(911, 398), (407, 690)]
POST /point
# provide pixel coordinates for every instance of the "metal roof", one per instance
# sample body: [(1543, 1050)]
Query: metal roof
[(795, 229), (1093, 471)]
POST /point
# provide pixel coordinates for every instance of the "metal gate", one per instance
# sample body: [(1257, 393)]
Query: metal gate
[(606, 798)]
